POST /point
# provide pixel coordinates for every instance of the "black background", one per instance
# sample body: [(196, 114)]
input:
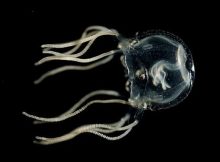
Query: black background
[(182, 132)]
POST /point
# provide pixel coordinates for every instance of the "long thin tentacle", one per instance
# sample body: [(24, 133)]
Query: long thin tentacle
[(61, 118), (90, 128), (92, 30), (83, 100), (69, 44), (109, 137), (117, 125), (73, 67), (88, 96), (80, 60), (90, 37), (71, 51)]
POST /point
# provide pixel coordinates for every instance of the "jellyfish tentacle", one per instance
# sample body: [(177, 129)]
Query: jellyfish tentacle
[(109, 137), (86, 37), (88, 96), (83, 100), (94, 29), (90, 128), (117, 125), (75, 59), (73, 67), (80, 41), (88, 32), (71, 51), (61, 118), (74, 49), (102, 132)]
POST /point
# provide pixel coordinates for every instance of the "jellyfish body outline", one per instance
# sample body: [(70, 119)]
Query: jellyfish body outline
[(152, 64)]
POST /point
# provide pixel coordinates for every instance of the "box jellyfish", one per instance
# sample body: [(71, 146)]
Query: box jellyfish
[(159, 70)]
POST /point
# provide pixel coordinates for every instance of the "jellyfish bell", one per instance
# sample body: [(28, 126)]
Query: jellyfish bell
[(160, 70)]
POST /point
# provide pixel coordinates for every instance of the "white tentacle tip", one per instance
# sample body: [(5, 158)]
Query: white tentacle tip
[(37, 82), (25, 114), (41, 138), (37, 63), (44, 46)]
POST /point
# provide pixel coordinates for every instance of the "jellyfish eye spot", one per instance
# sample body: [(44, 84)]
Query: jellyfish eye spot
[(141, 74), (133, 42)]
